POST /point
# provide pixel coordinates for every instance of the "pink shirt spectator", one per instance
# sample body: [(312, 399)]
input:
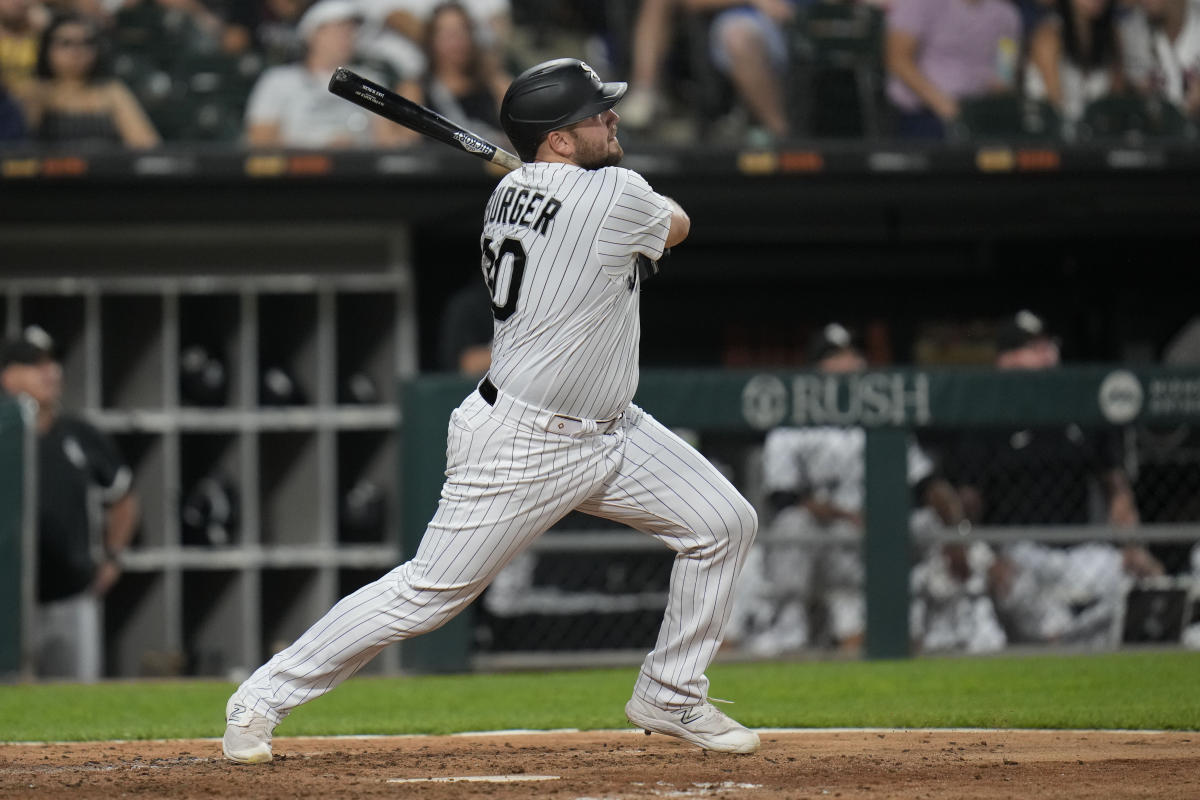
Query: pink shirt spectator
[(967, 47)]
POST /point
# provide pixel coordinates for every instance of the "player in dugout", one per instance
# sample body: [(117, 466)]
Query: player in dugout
[(79, 544)]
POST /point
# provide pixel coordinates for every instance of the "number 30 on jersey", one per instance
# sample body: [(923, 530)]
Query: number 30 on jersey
[(503, 269)]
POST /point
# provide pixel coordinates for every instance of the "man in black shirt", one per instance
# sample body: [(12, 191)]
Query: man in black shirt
[(466, 331), (1040, 476), (1050, 476), (75, 568)]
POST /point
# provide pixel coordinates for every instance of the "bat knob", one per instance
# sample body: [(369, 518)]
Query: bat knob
[(340, 75)]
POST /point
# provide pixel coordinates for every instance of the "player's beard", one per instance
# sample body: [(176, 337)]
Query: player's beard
[(594, 155)]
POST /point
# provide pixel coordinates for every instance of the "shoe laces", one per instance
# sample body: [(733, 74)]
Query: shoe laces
[(706, 708), (258, 725), (261, 726)]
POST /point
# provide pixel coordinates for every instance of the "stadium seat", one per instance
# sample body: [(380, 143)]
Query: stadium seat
[(838, 64), (154, 34), (709, 93), (189, 89), (211, 73), (1132, 118), (154, 88), (213, 120), (1005, 117), (211, 90), (137, 71)]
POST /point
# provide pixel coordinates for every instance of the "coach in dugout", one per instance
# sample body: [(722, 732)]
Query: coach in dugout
[(81, 480), (1050, 476)]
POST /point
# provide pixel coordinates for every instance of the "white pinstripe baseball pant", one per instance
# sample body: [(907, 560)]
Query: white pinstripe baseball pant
[(507, 481)]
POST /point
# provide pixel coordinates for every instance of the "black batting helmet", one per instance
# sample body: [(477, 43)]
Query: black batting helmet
[(549, 96)]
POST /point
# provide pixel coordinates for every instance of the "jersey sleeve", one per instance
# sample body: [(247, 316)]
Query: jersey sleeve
[(920, 466), (638, 221), (783, 464), (1106, 450), (106, 467), (267, 98), (909, 16)]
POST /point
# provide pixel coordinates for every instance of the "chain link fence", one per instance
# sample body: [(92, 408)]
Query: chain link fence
[(1056, 510), (1036, 559)]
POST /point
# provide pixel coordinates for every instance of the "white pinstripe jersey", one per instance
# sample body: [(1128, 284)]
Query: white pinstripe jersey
[(560, 245), (828, 463)]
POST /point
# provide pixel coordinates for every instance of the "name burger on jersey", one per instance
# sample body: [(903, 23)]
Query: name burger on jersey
[(522, 208)]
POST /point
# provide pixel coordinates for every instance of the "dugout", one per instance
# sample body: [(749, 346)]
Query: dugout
[(132, 253)]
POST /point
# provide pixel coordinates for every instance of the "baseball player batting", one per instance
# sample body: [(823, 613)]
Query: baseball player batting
[(551, 429)]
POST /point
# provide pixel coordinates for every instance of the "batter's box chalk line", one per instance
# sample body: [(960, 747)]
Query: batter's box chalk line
[(665, 789)]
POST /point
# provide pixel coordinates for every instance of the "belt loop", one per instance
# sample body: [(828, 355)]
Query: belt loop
[(487, 390)]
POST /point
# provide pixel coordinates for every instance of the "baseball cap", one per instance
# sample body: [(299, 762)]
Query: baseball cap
[(1021, 329), (33, 346), (833, 338), (326, 11)]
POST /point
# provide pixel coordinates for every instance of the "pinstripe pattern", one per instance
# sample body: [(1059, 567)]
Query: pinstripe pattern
[(665, 488), (572, 344), (827, 462), (569, 347), (507, 481)]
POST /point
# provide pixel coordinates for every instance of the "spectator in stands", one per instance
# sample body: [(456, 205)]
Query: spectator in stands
[(74, 458), (392, 33), (201, 21), (461, 83), (291, 106), (810, 553), (12, 120), (493, 30), (1049, 476), (1074, 57), (395, 29), (653, 33), (207, 21), (21, 24), (1161, 40), (940, 52), (749, 46), (269, 27), (76, 101), (1032, 12)]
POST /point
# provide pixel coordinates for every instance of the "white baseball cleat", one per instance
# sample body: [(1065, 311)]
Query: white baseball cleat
[(247, 735), (700, 724)]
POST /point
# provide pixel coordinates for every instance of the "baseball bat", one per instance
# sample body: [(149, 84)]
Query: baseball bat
[(383, 101)]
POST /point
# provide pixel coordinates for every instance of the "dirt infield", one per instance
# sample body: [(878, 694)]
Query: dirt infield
[(627, 765)]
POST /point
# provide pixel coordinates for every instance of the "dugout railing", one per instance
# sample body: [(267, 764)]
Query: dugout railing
[(720, 407)]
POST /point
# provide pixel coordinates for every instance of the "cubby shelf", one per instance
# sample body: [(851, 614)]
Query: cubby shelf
[(258, 415)]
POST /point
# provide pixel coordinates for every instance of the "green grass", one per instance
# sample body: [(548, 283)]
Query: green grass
[(1156, 690)]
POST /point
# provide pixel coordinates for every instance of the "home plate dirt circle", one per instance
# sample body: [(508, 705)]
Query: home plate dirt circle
[(626, 765)]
